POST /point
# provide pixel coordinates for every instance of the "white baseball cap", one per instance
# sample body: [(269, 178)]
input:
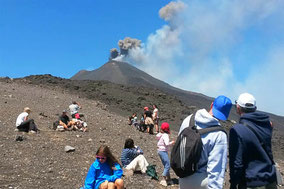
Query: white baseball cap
[(246, 100)]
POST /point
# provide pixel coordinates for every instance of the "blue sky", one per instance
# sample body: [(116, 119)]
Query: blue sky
[(213, 46), (65, 36)]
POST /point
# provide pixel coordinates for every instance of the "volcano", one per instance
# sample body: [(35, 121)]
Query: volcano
[(126, 74)]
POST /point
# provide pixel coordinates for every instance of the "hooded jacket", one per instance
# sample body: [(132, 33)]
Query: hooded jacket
[(249, 163), (100, 172), (214, 154)]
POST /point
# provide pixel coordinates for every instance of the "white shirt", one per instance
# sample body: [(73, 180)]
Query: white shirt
[(155, 113), (21, 118), (74, 108)]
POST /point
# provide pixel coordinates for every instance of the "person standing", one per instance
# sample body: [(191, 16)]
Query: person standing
[(249, 161), (163, 147), (148, 120), (23, 123), (212, 163), (155, 117)]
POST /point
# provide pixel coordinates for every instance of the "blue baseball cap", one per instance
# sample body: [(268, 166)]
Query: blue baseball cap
[(221, 107)]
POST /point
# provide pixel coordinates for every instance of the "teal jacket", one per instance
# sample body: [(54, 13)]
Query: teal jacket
[(100, 172)]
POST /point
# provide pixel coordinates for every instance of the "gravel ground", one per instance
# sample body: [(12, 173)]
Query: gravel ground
[(39, 161)]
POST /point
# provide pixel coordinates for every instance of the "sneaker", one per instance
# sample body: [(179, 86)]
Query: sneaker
[(163, 183), (32, 131)]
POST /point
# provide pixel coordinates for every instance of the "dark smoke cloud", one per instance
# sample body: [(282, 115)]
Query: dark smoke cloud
[(124, 45), (113, 53), (128, 43)]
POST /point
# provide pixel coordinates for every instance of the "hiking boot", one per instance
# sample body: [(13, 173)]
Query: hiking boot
[(163, 183), (128, 172)]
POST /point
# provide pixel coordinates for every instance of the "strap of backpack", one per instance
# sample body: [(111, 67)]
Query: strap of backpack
[(260, 140), (192, 121), (205, 130), (211, 129)]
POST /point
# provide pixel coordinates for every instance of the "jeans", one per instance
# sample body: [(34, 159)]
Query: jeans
[(165, 161)]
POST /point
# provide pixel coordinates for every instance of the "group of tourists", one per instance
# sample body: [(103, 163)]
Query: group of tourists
[(64, 123), (250, 154), (149, 120)]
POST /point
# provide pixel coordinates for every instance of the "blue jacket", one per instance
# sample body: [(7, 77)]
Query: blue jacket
[(100, 172), (212, 162), (249, 163), (129, 154)]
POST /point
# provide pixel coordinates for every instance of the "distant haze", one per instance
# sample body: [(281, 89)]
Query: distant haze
[(219, 47)]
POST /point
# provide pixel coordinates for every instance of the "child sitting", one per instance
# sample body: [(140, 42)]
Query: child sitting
[(132, 158), (105, 172)]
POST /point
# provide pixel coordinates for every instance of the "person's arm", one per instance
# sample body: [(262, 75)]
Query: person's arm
[(117, 173), (139, 150), (235, 159), (166, 139), (217, 160), (79, 105), (26, 118), (90, 178)]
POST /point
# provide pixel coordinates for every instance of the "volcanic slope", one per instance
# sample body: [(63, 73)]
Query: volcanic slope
[(128, 75), (39, 161)]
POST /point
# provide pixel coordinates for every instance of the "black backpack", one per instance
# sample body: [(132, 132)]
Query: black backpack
[(187, 149)]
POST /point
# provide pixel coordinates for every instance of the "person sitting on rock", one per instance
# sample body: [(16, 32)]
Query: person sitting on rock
[(132, 158), (25, 124), (105, 172), (132, 119), (79, 124), (65, 121), (141, 126), (74, 107)]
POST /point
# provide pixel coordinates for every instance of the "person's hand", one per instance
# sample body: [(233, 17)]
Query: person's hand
[(173, 142)]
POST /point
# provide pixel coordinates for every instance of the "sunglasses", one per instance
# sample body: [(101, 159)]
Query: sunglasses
[(101, 157)]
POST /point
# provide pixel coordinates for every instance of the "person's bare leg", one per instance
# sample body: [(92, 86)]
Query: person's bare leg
[(104, 185), (110, 185), (119, 184)]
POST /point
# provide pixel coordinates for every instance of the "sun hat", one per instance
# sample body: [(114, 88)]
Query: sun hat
[(165, 127), (221, 107), (246, 100)]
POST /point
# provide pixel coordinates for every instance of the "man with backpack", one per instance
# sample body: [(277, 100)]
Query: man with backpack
[(250, 155), (209, 150)]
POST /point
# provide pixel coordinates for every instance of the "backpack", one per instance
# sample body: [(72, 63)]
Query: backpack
[(187, 149)]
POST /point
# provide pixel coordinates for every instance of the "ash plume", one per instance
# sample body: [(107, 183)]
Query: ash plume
[(171, 10), (113, 53), (204, 44), (128, 43), (124, 45)]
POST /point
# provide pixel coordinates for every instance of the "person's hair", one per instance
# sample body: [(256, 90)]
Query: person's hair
[(247, 110), (165, 131), (106, 151), (27, 109), (129, 143), (74, 102), (155, 105)]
